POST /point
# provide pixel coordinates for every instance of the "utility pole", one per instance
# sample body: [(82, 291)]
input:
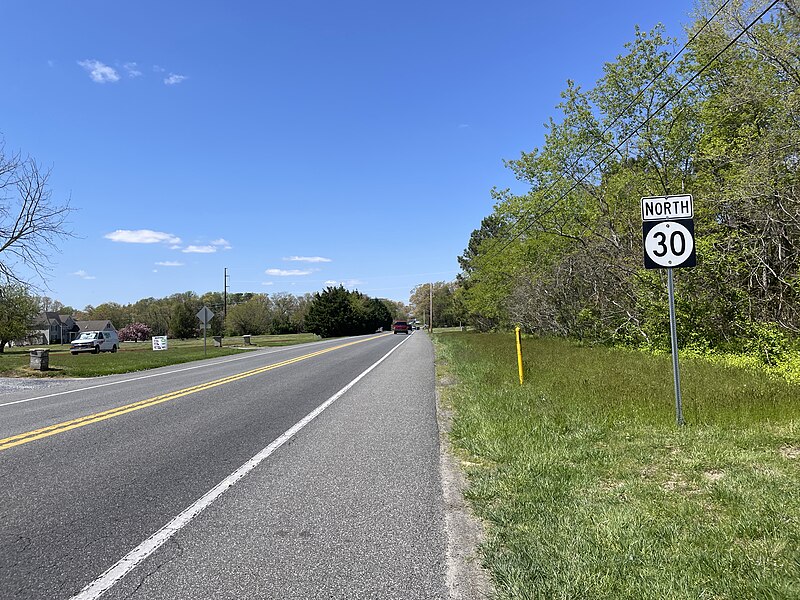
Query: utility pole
[(225, 297)]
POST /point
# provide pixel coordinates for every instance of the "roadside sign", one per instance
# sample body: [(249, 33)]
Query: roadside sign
[(668, 232), (160, 342), (205, 314), (669, 244), (668, 236), (667, 208)]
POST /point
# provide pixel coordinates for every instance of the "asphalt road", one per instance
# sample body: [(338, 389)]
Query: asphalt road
[(96, 477)]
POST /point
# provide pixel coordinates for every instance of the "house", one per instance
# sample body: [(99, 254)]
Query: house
[(52, 328)]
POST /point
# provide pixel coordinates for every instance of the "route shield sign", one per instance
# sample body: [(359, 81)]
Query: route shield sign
[(669, 244), (668, 232)]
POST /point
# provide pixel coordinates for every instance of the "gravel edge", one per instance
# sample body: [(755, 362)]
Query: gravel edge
[(465, 577)]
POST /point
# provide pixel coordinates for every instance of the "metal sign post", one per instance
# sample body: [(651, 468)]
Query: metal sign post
[(673, 334), (668, 238)]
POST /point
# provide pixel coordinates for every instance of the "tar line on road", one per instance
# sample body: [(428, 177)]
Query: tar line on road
[(128, 562), (37, 434)]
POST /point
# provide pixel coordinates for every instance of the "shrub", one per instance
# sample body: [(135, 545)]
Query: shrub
[(135, 332)]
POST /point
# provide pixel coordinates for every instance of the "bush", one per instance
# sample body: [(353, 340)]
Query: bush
[(135, 332), (767, 342)]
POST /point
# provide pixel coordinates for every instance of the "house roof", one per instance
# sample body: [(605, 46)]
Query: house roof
[(47, 318), (95, 325)]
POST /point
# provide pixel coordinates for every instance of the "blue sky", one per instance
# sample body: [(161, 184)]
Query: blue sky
[(295, 143)]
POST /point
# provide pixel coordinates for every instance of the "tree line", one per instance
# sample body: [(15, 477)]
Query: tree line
[(720, 122), (332, 312)]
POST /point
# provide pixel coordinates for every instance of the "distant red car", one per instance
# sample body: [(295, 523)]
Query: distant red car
[(401, 327)]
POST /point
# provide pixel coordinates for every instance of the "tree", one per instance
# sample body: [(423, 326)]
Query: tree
[(30, 222), (448, 309), (47, 304), (183, 321), (398, 310), (283, 308), (17, 310), (378, 315), (119, 315), (564, 257), (331, 314), (251, 317)]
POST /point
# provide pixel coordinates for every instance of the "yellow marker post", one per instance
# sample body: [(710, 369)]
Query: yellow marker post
[(519, 356)]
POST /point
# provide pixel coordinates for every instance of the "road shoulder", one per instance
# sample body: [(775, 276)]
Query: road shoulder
[(465, 577)]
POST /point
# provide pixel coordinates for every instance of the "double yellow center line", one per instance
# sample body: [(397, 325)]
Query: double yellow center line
[(37, 434)]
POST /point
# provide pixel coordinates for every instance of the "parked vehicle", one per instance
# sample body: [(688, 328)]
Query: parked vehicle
[(401, 327), (95, 342)]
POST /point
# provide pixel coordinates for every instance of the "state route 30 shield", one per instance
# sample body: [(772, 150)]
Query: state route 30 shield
[(669, 244)]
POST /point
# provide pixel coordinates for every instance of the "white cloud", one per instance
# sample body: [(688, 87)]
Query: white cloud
[(310, 259), (287, 272), (142, 236), (174, 79), (99, 72), (200, 249), (267, 283), (157, 69), (83, 275), (132, 69), (169, 263), (348, 283), (222, 243)]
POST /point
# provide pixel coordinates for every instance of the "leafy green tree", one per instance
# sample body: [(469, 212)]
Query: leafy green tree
[(331, 313), (284, 306), (119, 315), (398, 310), (252, 317), (17, 310), (183, 321), (448, 308), (339, 312), (564, 257)]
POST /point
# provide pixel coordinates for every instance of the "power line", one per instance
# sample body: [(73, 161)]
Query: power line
[(691, 80), (630, 105)]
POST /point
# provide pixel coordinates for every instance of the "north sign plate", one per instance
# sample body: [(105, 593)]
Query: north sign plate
[(667, 208)]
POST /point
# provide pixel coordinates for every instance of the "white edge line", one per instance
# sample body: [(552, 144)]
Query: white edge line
[(128, 562), (250, 354)]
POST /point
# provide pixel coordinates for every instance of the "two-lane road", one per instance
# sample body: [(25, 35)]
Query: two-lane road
[(244, 477)]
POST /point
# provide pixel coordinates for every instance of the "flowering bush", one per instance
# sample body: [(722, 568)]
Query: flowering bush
[(135, 332)]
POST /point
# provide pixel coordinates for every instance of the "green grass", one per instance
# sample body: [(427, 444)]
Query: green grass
[(589, 490), (14, 362)]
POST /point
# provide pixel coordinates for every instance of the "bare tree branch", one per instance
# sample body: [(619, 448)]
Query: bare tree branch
[(31, 224)]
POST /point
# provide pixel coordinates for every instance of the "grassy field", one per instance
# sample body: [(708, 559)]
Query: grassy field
[(14, 362), (589, 490)]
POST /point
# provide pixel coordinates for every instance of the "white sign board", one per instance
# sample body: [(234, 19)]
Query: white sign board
[(667, 208), (159, 342)]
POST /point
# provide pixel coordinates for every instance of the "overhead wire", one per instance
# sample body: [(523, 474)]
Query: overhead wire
[(492, 252)]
